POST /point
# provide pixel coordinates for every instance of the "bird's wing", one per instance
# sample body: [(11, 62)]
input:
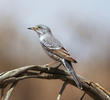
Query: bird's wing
[(51, 43), (63, 53), (57, 48)]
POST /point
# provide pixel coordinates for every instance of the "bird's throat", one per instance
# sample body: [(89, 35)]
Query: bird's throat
[(44, 36)]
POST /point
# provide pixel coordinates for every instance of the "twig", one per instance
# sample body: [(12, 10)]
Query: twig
[(10, 90), (33, 71), (61, 90), (2, 94), (82, 96)]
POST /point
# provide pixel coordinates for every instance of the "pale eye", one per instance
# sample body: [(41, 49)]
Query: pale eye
[(39, 27)]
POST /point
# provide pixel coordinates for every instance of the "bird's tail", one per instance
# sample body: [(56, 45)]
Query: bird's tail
[(67, 64)]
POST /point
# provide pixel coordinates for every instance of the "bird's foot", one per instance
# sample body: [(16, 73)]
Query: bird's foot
[(50, 64), (58, 66), (46, 65)]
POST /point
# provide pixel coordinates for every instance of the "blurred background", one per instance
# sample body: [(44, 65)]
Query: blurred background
[(83, 27)]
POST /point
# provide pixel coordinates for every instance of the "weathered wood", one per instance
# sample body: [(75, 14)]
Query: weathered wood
[(33, 71)]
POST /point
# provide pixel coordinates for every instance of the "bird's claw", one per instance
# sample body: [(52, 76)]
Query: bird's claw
[(46, 65)]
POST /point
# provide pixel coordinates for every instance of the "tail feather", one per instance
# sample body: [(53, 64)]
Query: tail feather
[(67, 64)]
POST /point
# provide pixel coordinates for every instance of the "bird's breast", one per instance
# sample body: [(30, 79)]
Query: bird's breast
[(44, 37)]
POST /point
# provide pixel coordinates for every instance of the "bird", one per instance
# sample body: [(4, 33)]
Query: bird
[(56, 50)]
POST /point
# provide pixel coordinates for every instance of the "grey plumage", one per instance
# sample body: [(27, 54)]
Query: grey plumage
[(50, 42), (56, 50)]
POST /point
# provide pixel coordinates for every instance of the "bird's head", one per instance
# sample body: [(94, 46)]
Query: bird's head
[(41, 29)]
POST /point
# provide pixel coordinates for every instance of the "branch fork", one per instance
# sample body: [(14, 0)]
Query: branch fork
[(12, 77)]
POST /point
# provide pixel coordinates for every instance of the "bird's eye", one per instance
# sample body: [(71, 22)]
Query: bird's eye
[(39, 27)]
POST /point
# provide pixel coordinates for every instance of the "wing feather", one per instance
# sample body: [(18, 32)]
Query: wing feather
[(64, 54), (57, 48)]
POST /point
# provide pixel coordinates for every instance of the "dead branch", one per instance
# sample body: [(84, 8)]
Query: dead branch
[(33, 71), (61, 90)]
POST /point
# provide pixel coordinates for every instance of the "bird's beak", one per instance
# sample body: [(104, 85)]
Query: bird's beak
[(31, 28)]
